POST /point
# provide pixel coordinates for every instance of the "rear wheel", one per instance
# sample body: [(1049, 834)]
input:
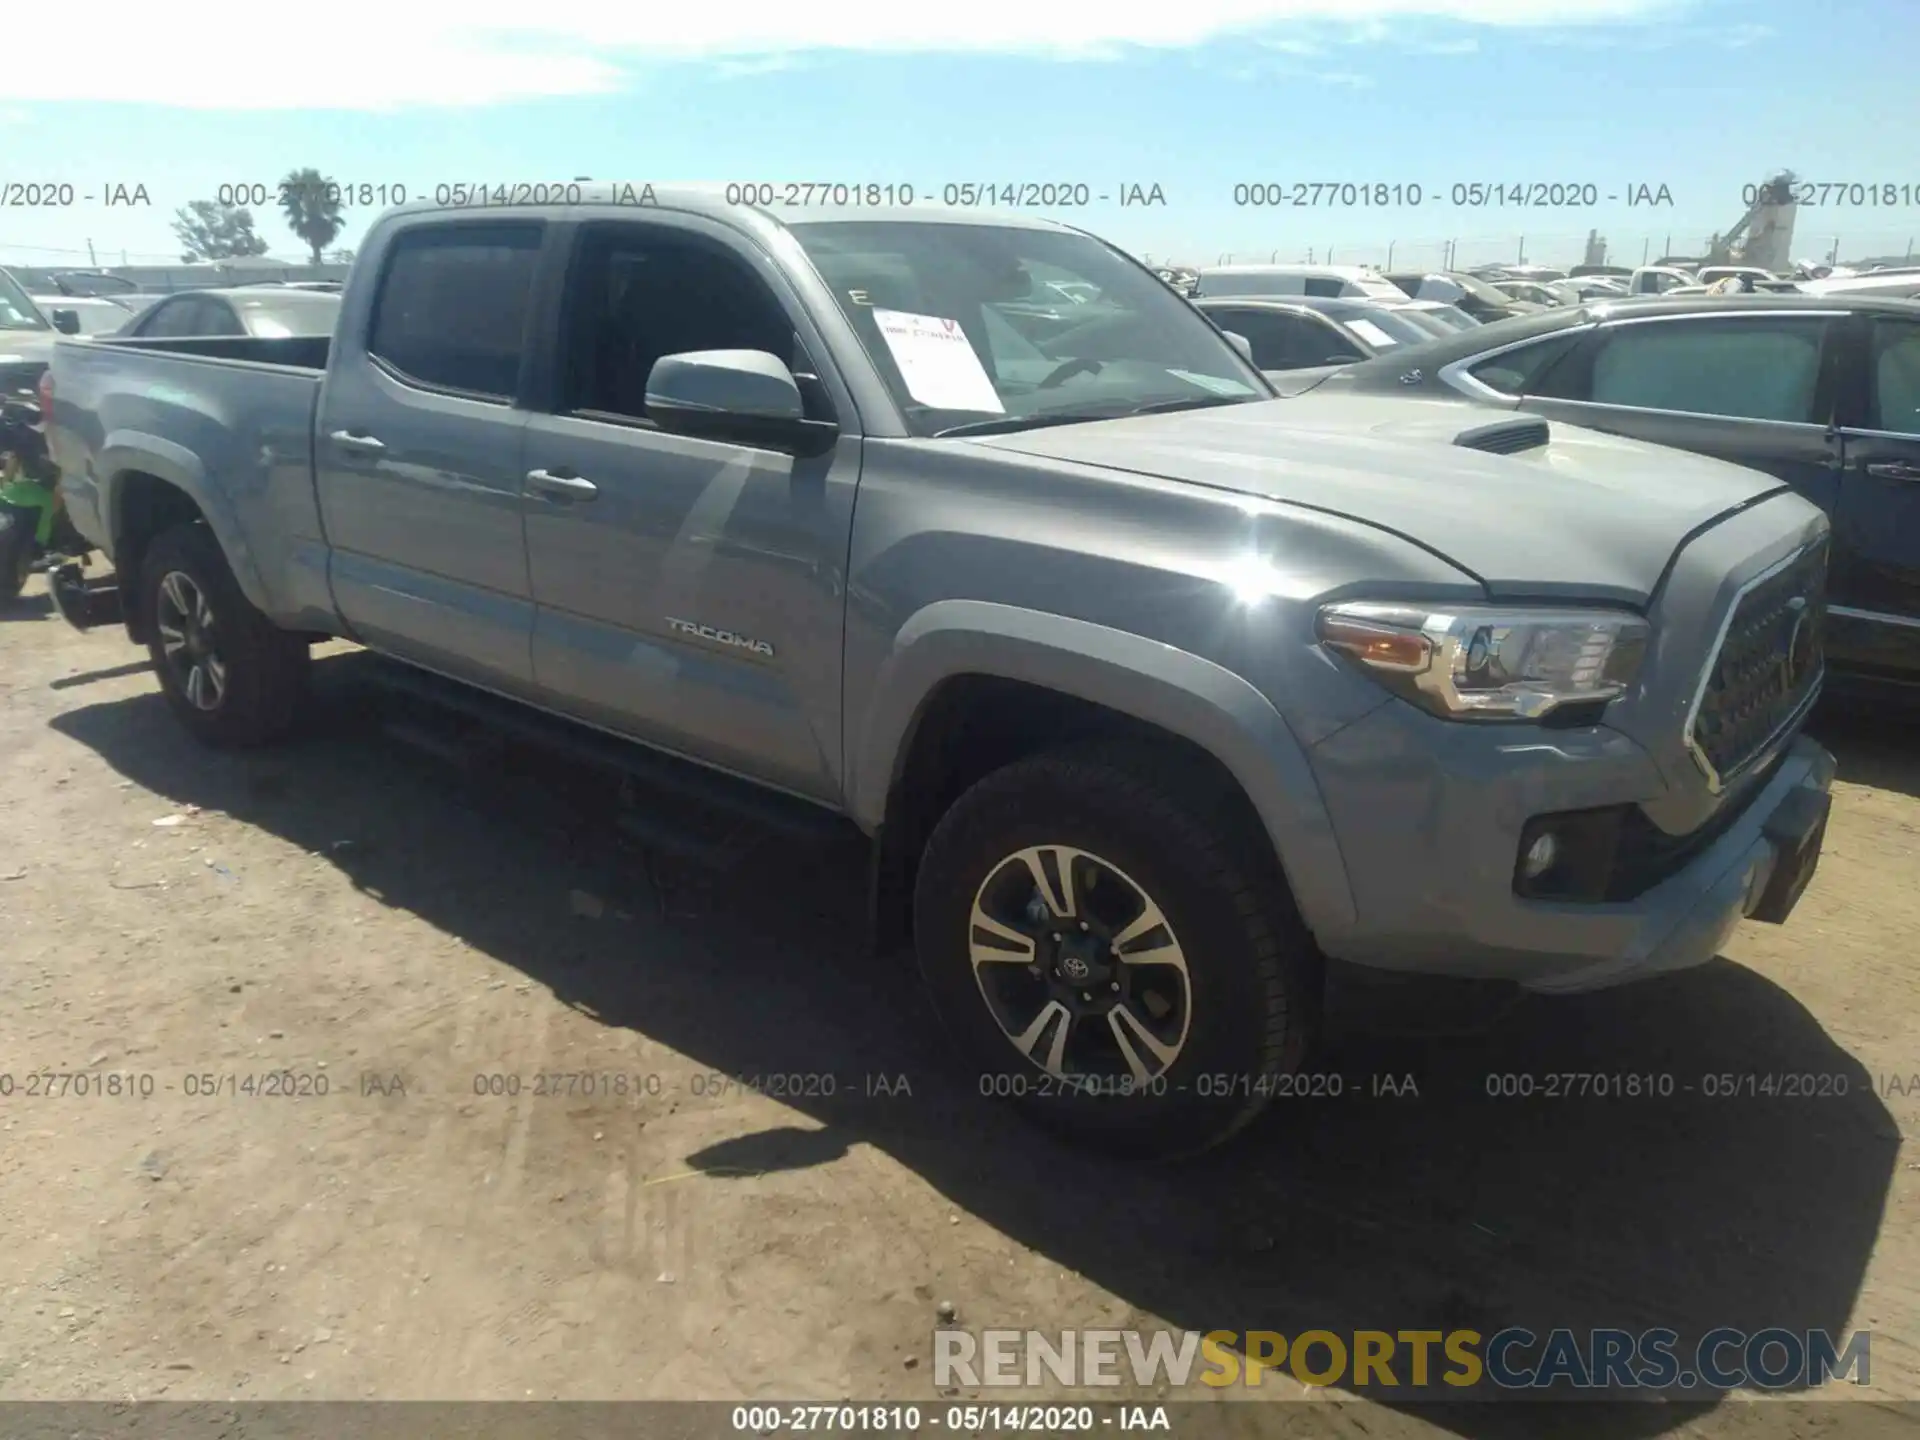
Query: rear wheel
[(1107, 959), (230, 675)]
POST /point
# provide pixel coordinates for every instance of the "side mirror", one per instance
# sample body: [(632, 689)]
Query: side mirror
[(66, 321), (1240, 343), (748, 397)]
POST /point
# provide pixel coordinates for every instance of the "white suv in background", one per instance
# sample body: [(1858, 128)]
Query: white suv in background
[(1328, 282)]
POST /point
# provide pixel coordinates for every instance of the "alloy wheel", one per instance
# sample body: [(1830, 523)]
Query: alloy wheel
[(1080, 967), (185, 622)]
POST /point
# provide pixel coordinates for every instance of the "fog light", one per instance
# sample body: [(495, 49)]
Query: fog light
[(1540, 857)]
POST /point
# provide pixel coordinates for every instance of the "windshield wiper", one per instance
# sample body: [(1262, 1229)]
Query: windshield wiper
[(1002, 424), (1120, 411), (1192, 402)]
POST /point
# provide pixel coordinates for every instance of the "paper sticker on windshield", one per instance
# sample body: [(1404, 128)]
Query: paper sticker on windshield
[(937, 362), (1214, 383), (1371, 333)]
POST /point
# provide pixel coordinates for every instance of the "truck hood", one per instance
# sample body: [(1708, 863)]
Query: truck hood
[(1585, 515)]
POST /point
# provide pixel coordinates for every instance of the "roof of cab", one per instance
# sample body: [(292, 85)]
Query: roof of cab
[(604, 199)]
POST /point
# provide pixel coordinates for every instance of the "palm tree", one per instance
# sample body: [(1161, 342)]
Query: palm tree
[(313, 209)]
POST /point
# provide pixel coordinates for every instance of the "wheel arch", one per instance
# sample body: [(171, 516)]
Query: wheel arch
[(153, 485), (961, 670)]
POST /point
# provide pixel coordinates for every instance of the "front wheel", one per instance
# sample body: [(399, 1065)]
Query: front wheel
[(1108, 958), (230, 675)]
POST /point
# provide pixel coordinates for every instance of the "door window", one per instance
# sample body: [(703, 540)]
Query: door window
[(1283, 340), (637, 294), (1521, 370), (453, 306), (173, 317), (1896, 377), (216, 317), (1745, 369), (1262, 331)]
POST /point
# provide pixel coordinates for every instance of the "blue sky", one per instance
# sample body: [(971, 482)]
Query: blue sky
[(1195, 97)]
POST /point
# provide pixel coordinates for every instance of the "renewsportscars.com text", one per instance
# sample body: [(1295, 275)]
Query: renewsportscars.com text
[(1723, 1359)]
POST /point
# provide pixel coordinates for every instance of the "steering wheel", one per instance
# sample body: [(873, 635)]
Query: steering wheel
[(1066, 370)]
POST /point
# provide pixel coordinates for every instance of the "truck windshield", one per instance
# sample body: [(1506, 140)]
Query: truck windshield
[(17, 311), (973, 323)]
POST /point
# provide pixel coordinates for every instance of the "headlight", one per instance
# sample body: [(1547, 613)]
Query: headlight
[(1479, 662)]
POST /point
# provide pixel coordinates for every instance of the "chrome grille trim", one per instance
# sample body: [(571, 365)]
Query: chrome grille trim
[(1716, 781)]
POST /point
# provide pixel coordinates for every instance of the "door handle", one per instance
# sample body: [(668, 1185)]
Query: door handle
[(561, 487), (1894, 470), (348, 440)]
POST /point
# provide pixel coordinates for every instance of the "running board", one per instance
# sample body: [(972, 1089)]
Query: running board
[(729, 803)]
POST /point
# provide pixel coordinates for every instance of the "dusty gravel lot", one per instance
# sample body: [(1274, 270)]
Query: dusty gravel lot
[(390, 930)]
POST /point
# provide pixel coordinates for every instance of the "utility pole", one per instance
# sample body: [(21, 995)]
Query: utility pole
[(1390, 245), (91, 261)]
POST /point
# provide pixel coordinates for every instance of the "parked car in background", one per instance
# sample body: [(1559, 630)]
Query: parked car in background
[(26, 337), (264, 312), (1150, 690), (1467, 292), (92, 283), (1536, 274), (1897, 283), (1532, 291), (1658, 279), (1590, 287), (1710, 274), (1298, 333), (92, 315), (1440, 316), (1329, 282), (1821, 392)]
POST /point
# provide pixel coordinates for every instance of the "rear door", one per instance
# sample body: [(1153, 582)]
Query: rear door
[(417, 451), (1750, 386), (688, 592), (1876, 610)]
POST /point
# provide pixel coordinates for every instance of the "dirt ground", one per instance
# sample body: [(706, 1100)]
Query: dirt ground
[(402, 938)]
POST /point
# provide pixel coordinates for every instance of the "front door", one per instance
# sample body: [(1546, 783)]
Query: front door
[(688, 592)]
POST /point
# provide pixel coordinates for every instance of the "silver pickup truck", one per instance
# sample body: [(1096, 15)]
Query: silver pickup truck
[(1152, 690)]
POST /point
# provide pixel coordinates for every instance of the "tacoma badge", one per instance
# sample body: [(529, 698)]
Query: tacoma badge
[(721, 637)]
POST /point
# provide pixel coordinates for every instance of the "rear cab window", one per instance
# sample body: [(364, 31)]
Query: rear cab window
[(453, 305)]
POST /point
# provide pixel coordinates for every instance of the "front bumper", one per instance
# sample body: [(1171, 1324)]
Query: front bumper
[(1429, 816)]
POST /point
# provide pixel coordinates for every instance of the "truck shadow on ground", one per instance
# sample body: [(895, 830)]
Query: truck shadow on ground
[(1441, 1206)]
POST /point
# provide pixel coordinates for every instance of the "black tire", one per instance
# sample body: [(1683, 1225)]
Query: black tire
[(264, 668), (1252, 973)]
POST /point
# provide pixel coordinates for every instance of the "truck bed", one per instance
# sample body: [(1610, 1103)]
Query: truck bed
[(226, 421)]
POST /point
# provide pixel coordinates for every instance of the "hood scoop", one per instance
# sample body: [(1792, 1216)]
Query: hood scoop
[(1505, 437)]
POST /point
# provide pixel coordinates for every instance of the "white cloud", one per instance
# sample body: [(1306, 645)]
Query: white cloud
[(384, 56)]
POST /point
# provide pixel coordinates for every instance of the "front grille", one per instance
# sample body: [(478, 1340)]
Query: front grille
[(1769, 662)]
